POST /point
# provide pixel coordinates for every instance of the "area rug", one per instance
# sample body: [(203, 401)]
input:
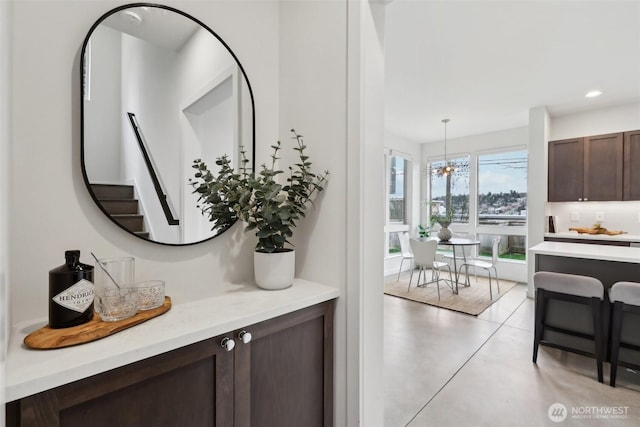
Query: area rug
[(471, 300)]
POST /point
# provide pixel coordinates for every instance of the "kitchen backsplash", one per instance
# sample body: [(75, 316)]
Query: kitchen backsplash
[(623, 216)]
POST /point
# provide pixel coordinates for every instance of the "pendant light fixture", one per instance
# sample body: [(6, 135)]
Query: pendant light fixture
[(447, 168)]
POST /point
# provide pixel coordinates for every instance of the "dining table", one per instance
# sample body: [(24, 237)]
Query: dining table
[(458, 242)]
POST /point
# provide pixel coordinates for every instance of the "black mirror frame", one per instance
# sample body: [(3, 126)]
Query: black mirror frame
[(82, 80)]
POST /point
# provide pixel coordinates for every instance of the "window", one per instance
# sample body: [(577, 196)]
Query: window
[(398, 200), (511, 247), (450, 193), (502, 189), (394, 243), (486, 196), (397, 190)]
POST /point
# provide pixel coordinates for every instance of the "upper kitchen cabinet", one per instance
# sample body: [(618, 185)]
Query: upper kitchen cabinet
[(566, 169), (602, 167), (631, 185), (587, 169)]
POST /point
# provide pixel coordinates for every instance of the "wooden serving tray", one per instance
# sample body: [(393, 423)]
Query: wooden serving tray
[(47, 338)]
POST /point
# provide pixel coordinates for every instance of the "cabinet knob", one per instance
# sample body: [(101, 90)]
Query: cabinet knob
[(228, 344), (245, 337)]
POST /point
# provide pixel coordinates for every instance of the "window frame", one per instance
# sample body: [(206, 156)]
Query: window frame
[(396, 227), (473, 226)]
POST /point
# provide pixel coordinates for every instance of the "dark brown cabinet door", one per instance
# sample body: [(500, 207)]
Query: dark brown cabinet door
[(284, 376), (603, 167), (191, 386), (566, 161), (631, 185)]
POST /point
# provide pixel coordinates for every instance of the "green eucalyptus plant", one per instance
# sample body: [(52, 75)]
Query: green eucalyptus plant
[(443, 220), (263, 203)]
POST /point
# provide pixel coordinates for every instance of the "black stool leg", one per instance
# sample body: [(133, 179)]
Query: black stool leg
[(596, 306), (616, 330), (539, 322)]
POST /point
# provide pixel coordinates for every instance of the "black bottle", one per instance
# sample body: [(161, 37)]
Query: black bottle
[(70, 292)]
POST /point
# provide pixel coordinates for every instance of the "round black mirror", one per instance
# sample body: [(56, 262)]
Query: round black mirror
[(159, 89)]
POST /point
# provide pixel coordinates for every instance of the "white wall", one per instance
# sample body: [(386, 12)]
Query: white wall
[(536, 185), (624, 216), (365, 218), (197, 70), (312, 100), (103, 148), (475, 143), (208, 132), (595, 122), (5, 192), (198, 76), (340, 242)]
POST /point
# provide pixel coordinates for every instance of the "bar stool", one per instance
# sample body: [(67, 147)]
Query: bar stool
[(577, 289), (625, 297)]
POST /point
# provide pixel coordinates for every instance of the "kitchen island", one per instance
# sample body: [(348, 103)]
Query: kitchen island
[(609, 264)]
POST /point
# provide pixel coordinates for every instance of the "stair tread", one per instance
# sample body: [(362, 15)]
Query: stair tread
[(116, 191), (112, 185)]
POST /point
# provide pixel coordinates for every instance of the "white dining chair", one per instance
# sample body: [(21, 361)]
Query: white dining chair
[(405, 250), (485, 265), (424, 257)]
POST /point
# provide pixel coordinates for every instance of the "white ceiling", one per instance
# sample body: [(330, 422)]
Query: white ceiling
[(159, 26), (483, 64)]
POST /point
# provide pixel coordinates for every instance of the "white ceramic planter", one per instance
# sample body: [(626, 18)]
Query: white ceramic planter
[(444, 234), (274, 270)]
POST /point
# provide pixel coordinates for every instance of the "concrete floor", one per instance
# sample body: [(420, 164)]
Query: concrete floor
[(444, 368)]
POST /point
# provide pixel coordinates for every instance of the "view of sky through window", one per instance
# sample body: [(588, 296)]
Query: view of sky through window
[(502, 188), (502, 172)]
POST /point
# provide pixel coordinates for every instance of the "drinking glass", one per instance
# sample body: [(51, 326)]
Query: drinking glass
[(115, 293)]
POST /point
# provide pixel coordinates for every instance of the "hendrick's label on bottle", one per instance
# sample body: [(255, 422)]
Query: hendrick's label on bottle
[(77, 298)]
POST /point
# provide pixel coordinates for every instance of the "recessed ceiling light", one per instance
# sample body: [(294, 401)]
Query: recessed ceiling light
[(132, 17), (593, 94)]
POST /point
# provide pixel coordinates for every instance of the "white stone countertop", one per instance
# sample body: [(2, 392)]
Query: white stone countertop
[(588, 251), (31, 371), (576, 235)]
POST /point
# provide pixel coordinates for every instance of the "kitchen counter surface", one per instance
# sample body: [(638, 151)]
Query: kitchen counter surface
[(32, 371), (588, 251), (576, 235)]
